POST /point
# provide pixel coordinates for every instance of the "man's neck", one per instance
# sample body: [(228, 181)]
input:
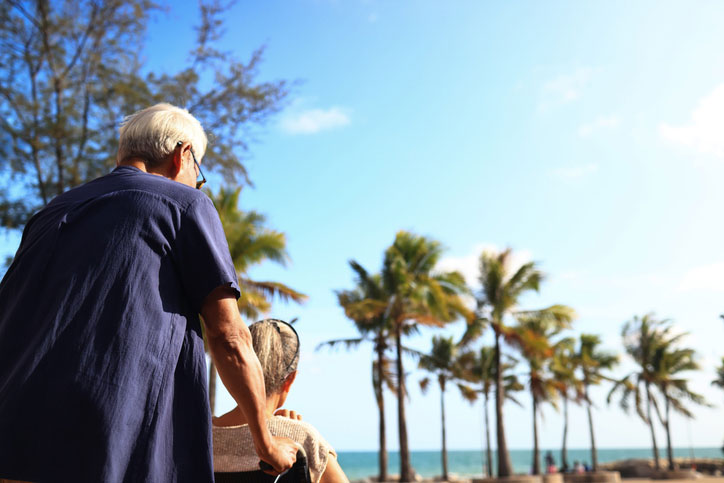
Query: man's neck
[(136, 163), (141, 164)]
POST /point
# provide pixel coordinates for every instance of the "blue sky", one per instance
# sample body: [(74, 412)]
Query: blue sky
[(586, 136)]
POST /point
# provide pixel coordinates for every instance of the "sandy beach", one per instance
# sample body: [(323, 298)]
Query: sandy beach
[(702, 479)]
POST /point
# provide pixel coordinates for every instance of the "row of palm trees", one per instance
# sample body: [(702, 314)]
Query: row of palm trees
[(408, 292), (562, 370)]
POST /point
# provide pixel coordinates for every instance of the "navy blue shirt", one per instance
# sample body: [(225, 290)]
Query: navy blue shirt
[(102, 369)]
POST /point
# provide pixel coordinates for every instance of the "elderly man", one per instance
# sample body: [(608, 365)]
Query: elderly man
[(102, 370)]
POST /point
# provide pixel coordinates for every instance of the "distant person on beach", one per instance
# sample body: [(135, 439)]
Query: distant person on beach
[(550, 463), (277, 345), (578, 468), (102, 369)]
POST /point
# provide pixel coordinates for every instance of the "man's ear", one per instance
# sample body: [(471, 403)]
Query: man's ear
[(177, 159)]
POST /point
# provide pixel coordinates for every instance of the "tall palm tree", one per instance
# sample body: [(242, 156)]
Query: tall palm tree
[(670, 362), (479, 368), (570, 388), (501, 290), (642, 337), (418, 295), (719, 381), (533, 335), (592, 362), (443, 362), (251, 243), (365, 305)]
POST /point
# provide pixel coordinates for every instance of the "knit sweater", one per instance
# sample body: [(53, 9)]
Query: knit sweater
[(234, 447)]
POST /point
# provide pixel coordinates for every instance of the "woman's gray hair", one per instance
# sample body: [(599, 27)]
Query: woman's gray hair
[(153, 133), (277, 346)]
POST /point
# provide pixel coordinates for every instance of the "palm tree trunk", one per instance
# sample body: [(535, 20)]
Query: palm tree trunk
[(444, 444), (505, 467), (381, 406), (212, 386), (594, 452), (669, 449), (564, 447), (489, 452), (405, 469), (651, 427), (536, 449)]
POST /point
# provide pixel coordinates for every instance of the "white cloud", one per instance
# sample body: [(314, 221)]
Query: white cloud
[(705, 132), (708, 278), (598, 124), (313, 121), (576, 172), (565, 88)]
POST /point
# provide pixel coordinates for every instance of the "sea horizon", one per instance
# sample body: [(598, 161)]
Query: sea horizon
[(468, 463)]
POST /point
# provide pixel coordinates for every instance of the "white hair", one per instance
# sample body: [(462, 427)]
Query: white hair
[(153, 133)]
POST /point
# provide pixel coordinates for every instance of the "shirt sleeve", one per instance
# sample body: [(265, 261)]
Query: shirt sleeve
[(202, 253)]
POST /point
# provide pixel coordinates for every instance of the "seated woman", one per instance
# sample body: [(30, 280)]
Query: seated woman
[(276, 344)]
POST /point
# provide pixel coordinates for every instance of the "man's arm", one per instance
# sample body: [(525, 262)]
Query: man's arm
[(231, 350)]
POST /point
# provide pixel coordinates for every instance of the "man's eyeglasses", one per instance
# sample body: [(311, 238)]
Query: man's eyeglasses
[(199, 183)]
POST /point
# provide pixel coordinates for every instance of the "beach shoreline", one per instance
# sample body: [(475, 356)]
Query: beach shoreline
[(700, 478), (630, 470), (362, 465)]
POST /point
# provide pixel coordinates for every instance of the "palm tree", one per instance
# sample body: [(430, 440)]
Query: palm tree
[(533, 336), (570, 388), (365, 305), (417, 296), (442, 361), (592, 362), (669, 362), (719, 381), (250, 244), (501, 290), (642, 337), (479, 367)]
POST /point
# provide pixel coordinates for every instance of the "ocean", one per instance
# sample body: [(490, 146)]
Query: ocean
[(362, 464)]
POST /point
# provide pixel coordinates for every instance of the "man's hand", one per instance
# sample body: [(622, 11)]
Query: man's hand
[(287, 413), (281, 455)]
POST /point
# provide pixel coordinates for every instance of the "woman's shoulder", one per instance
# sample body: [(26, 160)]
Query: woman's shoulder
[(300, 431), (295, 426), (234, 447)]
